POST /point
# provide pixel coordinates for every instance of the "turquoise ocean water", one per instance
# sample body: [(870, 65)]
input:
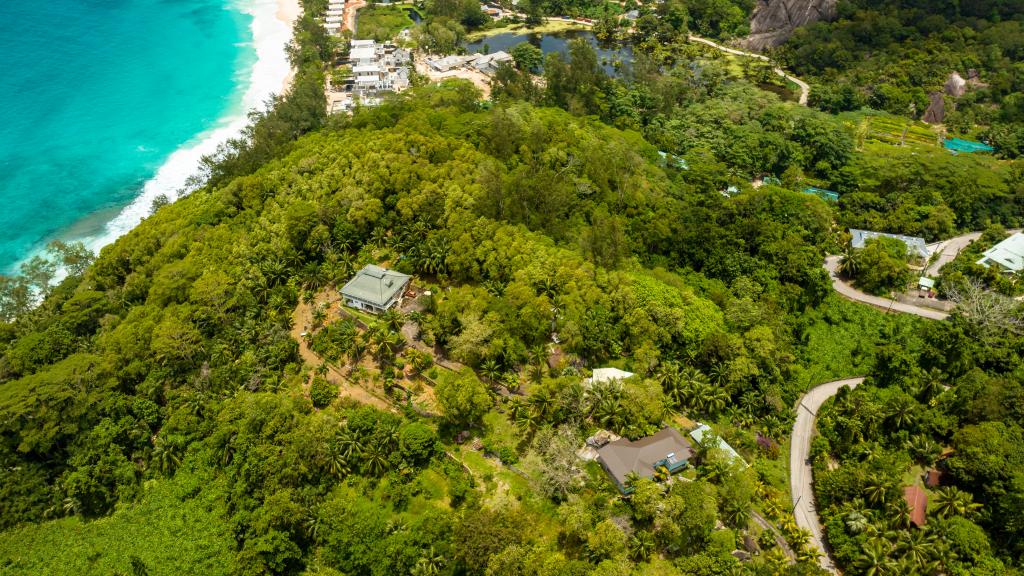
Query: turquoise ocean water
[(95, 95)]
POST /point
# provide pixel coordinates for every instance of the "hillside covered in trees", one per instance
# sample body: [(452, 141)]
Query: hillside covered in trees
[(193, 401)]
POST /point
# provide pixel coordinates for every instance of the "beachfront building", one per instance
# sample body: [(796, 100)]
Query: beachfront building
[(377, 68), (375, 289), (334, 17), (667, 452), (916, 248), (1007, 256)]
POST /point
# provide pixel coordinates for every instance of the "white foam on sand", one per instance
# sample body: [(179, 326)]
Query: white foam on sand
[(270, 35)]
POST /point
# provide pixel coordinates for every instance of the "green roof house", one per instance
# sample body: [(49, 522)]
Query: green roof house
[(374, 289)]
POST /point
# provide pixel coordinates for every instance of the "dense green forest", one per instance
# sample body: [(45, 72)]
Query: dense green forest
[(891, 54), (159, 412)]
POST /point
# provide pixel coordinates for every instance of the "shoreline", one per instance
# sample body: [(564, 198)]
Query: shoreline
[(288, 12), (271, 73)]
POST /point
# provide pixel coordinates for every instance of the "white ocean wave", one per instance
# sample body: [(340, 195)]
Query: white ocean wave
[(270, 35)]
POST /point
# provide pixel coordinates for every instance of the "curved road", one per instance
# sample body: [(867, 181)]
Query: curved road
[(845, 289), (800, 476), (804, 88)]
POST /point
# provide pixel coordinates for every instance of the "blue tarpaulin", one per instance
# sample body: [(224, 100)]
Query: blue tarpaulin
[(822, 193), (961, 145)]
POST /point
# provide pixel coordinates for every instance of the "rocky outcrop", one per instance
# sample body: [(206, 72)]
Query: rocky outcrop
[(775, 20), (936, 112), (955, 85)]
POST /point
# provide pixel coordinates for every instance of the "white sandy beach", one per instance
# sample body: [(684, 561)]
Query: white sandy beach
[(288, 11), (271, 28)]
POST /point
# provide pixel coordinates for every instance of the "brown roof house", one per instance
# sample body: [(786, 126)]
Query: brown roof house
[(917, 501), (621, 457)]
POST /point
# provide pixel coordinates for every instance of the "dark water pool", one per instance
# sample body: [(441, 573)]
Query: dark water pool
[(556, 42)]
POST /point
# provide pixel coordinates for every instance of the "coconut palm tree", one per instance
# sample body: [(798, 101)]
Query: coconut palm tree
[(874, 560), (851, 262), (923, 450), (430, 564), (876, 489), (641, 546), (491, 370), (951, 501), (393, 319), (856, 522)]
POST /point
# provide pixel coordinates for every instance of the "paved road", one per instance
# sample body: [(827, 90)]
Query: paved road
[(804, 88), (800, 476), (947, 251), (845, 289)]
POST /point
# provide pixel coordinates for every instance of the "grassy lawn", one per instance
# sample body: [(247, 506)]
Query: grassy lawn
[(548, 27), (381, 23)]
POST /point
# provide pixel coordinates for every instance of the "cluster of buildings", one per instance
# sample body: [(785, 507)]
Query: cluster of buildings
[(376, 68), (484, 63), (334, 17)]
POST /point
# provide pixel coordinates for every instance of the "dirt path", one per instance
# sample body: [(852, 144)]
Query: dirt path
[(801, 478), (302, 320), (349, 19), (779, 540), (804, 88)]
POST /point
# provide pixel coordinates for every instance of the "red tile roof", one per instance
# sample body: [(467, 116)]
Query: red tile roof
[(917, 501)]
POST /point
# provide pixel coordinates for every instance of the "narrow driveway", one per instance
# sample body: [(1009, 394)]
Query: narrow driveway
[(804, 88), (947, 251), (845, 289), (800, 475)]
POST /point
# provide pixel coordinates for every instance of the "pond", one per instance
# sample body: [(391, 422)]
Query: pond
[(555, 42), (414, 15)]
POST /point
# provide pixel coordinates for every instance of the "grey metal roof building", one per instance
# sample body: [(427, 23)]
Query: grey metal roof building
[(667, 448), (916, 247), (374, 289), (1007, 256)]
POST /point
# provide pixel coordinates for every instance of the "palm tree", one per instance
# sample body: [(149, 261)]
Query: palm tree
[(902, 412), (379, 236), (393, 319), (641, 546), (349, 446), (873, 560), (167, 454), (850, 264), (491, 370), (857, 522), (877, 489), (931, 385), (375, 460), (429, 564), (336, 460), (918, 546), (923, 450), (951, 501)]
